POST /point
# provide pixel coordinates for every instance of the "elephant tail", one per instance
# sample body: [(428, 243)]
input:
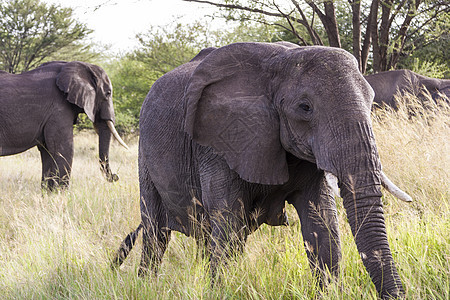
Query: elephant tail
[(125, 247)]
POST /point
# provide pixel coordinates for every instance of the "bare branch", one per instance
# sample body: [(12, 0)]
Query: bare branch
[(240, 7), (433, 17), (396, 11), (315, 8), (314, 36), (292, 28)]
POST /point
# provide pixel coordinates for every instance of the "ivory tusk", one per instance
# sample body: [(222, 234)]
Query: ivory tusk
[(385, 182), (333, 183), (393, 189), (116, 135)]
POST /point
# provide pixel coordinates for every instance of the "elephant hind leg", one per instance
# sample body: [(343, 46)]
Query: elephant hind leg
[(203, 246), (155, 241), (125, 248), (156, 234)]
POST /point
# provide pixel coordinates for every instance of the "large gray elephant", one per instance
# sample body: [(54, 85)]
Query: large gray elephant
[(389, 84), (228, 137), (39, 108)]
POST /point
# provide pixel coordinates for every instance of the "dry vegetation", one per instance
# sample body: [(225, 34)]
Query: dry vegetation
[(58, 246)]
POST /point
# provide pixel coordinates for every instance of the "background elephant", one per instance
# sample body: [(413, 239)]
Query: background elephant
[(388, 84), (39, 108), (228, 137)]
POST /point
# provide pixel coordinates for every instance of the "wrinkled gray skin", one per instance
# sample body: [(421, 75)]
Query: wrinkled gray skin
[(228, 137), (388, 84), (39, 108)]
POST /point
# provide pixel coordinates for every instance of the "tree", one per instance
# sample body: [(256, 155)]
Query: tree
[(385, 26), (31, 31), (85, 50), (427, 50)]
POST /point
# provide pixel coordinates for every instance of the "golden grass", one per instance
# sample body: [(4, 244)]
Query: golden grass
[(413, 143), (58, 246)]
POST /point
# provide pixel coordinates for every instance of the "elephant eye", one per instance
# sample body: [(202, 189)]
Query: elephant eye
[(108, 93), (305, 107)]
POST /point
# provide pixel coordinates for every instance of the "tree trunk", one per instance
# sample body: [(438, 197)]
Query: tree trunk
[(356, 21), (375, 40), (386, 7), (371, 24), (328, 20), (331, 24), (401, 37)]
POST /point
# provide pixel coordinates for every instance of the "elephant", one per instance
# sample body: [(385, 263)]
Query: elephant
[(227, 138), (387, 85), (39, 108)]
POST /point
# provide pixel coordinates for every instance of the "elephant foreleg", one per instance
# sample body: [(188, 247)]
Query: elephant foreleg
[(49, 178), (56, 169), (57, 154), (318, 216), (223, 199)]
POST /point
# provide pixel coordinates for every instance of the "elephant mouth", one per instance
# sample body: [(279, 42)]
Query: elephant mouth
[(301, 151), (297, 146)]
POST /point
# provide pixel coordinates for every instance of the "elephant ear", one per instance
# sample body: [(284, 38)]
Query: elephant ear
[(78, 81), (229, 108)]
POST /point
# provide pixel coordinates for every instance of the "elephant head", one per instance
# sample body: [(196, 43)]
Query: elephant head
[(88, 87), (254, 103)]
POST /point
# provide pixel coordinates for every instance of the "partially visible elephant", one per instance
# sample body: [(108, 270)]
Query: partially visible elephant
[(39, 108), (387, 85), (228, 137)]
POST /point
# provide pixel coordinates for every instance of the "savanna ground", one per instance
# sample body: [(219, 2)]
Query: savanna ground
[(58, 246)]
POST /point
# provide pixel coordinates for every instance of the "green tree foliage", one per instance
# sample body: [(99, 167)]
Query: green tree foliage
[(161, 50), (31, 31), (131, 81), (428, 51), (165, 48), (85, 50)]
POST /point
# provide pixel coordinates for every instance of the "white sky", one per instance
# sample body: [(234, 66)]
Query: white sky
[(116, 22)]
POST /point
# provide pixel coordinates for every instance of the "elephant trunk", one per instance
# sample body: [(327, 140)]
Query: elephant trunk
[(358, 169), (104, 140), (365, 216)]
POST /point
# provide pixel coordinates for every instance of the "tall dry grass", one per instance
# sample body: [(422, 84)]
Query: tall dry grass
[(58, 246)]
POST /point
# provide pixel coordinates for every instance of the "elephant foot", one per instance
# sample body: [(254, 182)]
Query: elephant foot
[(53, 186), (143, 272), (112, 177), (106, 170)]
